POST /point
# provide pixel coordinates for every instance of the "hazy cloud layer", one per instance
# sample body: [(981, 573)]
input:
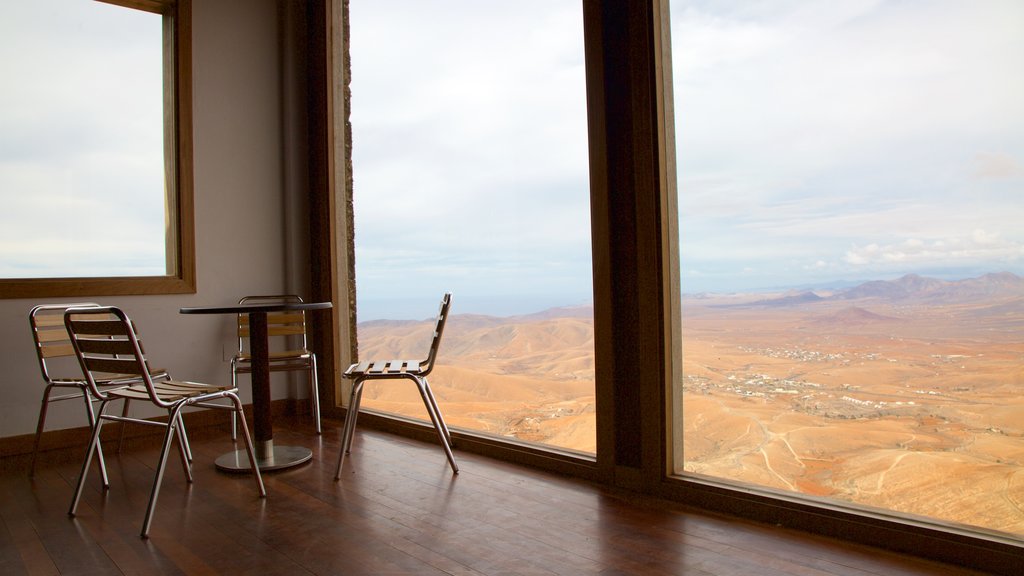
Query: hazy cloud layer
[(817, 142), (81, 140), (823, 141)]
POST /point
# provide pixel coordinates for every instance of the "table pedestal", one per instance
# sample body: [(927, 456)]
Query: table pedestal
[(268, 457)]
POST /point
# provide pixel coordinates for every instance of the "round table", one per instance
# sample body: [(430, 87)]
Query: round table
[(268, 456)]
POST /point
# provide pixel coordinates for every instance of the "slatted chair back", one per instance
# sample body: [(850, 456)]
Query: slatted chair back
[(286, 344), (59, 368), (435, 342), (283, 328), (106, 345), (53, 346)]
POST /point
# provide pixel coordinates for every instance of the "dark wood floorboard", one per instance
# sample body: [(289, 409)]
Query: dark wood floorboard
[(397, 510)]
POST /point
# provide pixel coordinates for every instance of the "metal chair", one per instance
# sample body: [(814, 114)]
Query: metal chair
[(105, 341), (288, 328), (56, 355), (415, 370)]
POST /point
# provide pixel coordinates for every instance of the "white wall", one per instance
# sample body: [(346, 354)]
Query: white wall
[(240, 183)]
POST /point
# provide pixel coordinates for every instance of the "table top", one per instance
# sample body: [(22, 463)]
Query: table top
[(249, 308)]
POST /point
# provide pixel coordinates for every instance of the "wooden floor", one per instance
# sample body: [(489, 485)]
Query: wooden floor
[(397, 510)]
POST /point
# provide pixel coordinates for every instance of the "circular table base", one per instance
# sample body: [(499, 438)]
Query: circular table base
[(277, 458)]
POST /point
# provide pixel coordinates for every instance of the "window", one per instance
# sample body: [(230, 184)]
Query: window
[(633, 193), (851, 253), (95, 154), (471, 175)]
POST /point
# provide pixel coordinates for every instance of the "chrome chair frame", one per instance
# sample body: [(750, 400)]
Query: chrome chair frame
[(280, 324), (415, 370), (52, 342), (105, 345)]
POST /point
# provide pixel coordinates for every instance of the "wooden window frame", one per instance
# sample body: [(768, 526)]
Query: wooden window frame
[(178, 166), (659, 412)]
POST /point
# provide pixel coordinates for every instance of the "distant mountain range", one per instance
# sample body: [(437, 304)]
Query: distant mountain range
[(912, 287), (1001, 291)]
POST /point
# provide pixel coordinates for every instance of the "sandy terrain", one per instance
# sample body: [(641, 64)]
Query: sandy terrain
[(530, 378), (905, 404), (918, 409)]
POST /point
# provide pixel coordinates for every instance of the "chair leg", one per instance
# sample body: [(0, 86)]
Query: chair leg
[(234, 415), (354, 405), (39, 428), (435, 418), (250, 450), (124, 414), (184, 438), (433, 404), (314, 392), (99, 445), (93, 447), (348, 430), (161, 466), (186, 459)]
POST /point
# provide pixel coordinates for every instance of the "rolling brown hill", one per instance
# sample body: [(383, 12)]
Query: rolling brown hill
[(902, 395), (854, 316), (530, 377)]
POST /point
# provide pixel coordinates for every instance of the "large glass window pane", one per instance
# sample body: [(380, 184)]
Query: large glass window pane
[(850, 196), (82, 142), (471, 175)]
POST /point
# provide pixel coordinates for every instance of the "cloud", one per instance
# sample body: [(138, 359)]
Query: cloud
[(979, 246), (997, 166), (81, 139), (841, 84)]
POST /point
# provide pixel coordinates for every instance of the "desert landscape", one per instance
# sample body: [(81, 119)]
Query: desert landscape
[(524, 377), (903, 395)]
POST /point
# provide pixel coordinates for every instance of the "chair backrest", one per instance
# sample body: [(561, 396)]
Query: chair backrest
[(52, 341), (106, 343), (435, 342), (281, 324)]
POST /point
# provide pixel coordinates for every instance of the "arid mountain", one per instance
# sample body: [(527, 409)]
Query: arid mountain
[(995, 287), (584, 311), (915, 284), (547, 344), (855, 316), (987, 287), (875, 289), (797, 299)]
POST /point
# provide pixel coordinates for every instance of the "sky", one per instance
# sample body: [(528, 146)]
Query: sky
[(817, 142), (469, 156), (81, 140), (848, 140)]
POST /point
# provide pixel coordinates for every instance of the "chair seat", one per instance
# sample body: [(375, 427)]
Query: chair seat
[(170, 390), (278, 356), (279, 362), (384, 368)]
